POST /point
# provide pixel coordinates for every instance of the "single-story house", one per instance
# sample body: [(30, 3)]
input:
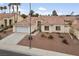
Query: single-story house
[(8, 19), (54, 24), (44, 24)]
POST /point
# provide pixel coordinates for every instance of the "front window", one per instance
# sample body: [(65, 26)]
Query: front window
[(10, 22), (39, 23), (58, 28), (5, 22), (46, 28)]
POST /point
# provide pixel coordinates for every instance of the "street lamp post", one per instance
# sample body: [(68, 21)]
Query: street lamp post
[(30, 37)]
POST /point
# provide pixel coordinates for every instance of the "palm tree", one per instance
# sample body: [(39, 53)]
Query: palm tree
[(5, 7), (16, 4), (1, 8), (9, 6)]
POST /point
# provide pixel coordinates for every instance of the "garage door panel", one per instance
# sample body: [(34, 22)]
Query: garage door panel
[(21, 29)]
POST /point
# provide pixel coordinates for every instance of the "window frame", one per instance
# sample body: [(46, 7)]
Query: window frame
[(58, 28), (46, 28)]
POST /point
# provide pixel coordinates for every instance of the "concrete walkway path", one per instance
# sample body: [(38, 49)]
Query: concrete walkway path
[(14, 38)]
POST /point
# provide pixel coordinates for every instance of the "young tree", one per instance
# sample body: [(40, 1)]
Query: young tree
[(31, 13), (36, 15), (1, 8), (24, 16), (5, 7), (54, 13)]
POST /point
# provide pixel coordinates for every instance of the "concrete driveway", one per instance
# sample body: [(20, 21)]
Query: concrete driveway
[(14, 38)]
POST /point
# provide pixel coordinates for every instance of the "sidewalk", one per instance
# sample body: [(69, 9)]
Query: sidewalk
[(33, 51)]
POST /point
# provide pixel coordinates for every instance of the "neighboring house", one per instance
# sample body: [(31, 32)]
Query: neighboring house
[(75, 28), (44, 24), (24, 26), (54, 24), (8, 19)]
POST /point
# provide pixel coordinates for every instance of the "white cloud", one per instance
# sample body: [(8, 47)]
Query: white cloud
[(42, 8), (42, 11), (23, 11)]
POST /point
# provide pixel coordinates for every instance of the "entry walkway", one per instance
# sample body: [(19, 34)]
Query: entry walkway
[(14, 38)]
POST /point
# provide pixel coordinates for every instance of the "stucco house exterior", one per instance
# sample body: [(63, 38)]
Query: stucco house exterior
[(54, 24), (8, 19), (24, 26), (59, 24), (44, 24)]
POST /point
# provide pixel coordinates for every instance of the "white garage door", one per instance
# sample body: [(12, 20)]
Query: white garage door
[(21, 29)]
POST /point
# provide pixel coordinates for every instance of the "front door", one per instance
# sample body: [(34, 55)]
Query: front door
[(10, 22), (5, 22), (39, 25)]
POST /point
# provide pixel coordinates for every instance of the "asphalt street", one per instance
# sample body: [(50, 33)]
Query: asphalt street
[(9, 53)]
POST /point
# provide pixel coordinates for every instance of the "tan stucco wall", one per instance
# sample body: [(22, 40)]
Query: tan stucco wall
[(13, 22), (76, 33), (52, 28)]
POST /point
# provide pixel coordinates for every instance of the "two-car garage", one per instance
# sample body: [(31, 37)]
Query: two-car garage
[(24, 26), (21, 29)]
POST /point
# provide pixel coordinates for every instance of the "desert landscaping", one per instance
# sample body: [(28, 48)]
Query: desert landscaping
[(60, 42)]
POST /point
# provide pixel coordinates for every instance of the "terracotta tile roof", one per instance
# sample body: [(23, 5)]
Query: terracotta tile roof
[(46, 20), (5, 15), (50, 20)]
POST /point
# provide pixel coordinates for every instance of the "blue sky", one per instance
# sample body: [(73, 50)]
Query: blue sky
[(47, 8)]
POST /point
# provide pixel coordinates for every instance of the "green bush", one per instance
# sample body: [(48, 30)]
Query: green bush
[(65, 41), (50, 37), (42, 35), (30, 37)]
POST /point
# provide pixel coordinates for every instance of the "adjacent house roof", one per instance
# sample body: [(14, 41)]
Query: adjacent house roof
[(46, 20), (6, 15)]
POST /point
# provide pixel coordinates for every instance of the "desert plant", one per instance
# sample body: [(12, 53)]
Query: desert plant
[(30, 37), (65, 41), (50, 37), (42, 35)]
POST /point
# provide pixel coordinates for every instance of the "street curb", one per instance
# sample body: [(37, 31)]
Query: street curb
[(33, 51)]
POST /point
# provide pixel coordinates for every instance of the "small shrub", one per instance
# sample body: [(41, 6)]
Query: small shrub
[(30, 37), (50, 37), (65, 42), (42, 35)]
